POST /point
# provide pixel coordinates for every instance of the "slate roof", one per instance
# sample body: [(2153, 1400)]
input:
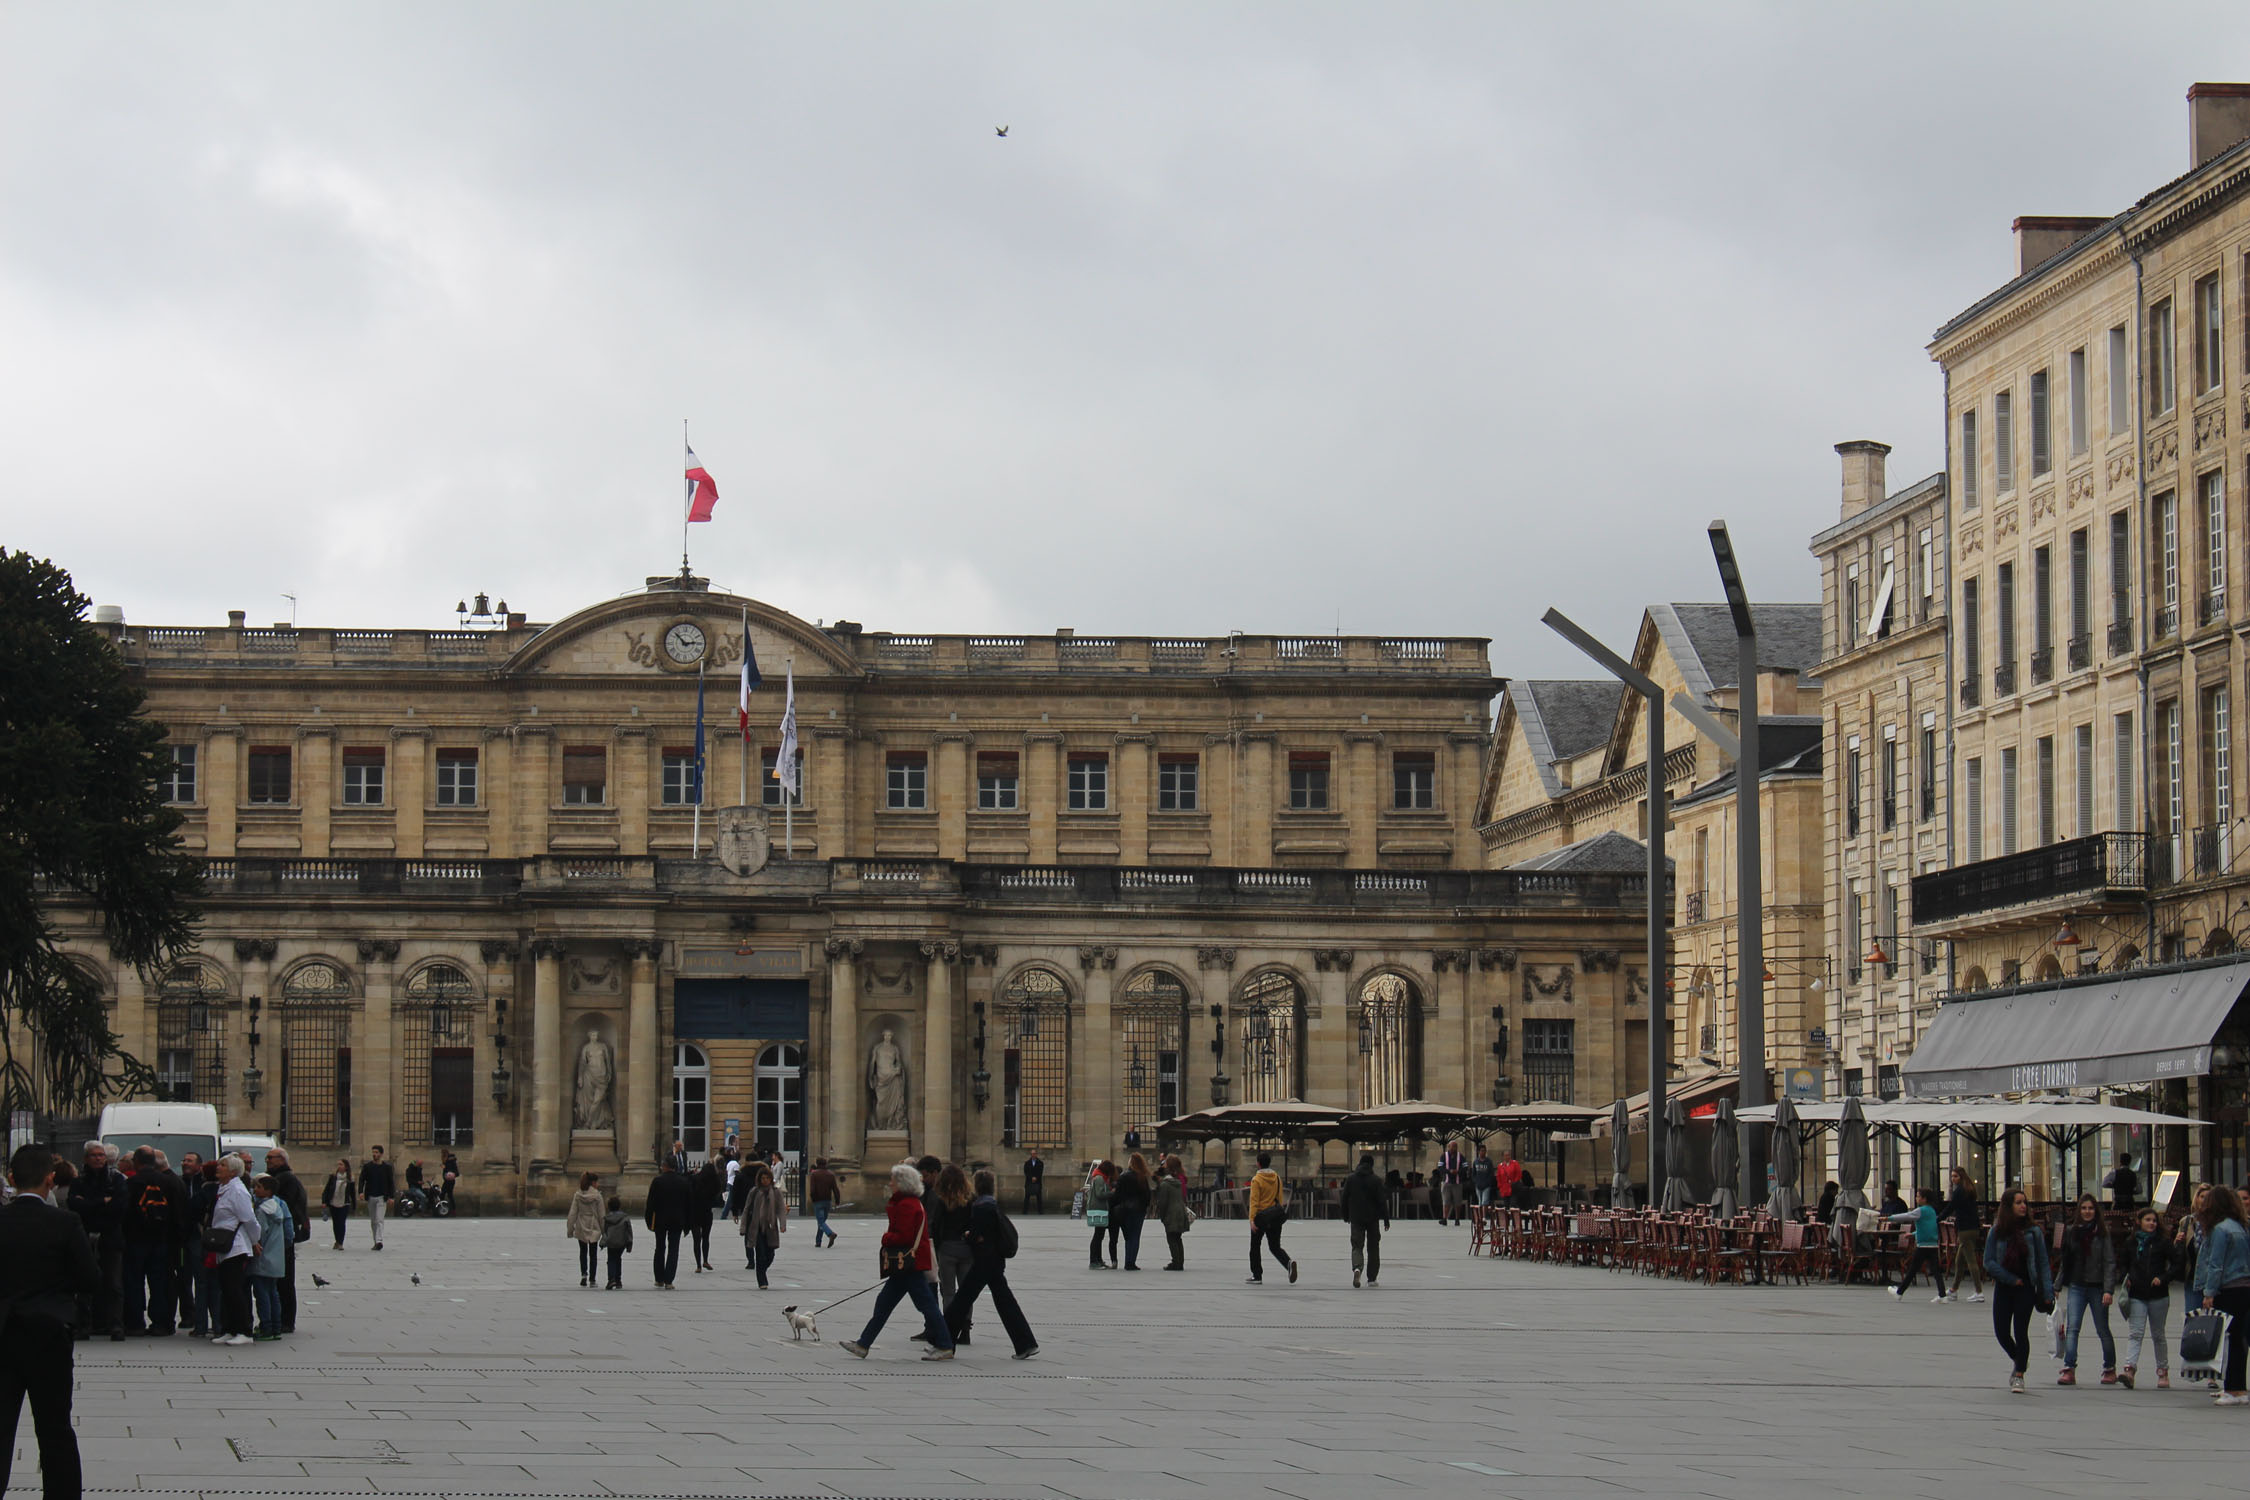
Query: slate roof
[(1788, 745), (1563, 718), (1701, 639), (1604, 853)]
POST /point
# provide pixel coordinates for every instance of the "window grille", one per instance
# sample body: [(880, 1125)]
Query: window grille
[(316, 1057), (1035, 1061), (1268, 1011), (1550, 1062), (437, 1058), (1390, 1041), (1153, 1011), (191, 1063)]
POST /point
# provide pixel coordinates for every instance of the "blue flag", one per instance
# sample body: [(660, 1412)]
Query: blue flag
[(697, 798)]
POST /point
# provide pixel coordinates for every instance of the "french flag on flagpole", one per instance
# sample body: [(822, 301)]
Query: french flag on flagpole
[(703, 490), (752, 678)]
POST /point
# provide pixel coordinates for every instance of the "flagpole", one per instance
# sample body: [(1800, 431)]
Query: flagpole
[(791, 787), (744, 766), (695, 834), (687, 505)]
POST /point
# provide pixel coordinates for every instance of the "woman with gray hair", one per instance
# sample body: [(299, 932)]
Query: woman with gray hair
[(906, 1263)]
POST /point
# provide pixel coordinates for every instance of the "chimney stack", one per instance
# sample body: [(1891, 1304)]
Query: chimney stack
[(235, 617), (1777, 690), (2042, 236), (2218, 119), (1863, 474)]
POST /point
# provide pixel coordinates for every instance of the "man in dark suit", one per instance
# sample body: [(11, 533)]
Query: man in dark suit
[(676, 1160), (46, 1265), (1034, 1184), (155, 1202), (97, 1196), (671, 1202)]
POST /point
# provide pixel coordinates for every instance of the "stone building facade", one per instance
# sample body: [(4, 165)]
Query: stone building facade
[(462, 893)]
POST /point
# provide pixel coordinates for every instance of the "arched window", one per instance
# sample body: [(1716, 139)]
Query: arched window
[(691, 1100), (1390, 1040), (2049, 968), (779, 1106), (316, 1056), (437, 1057), (1153, 1016), (1269, 1009), (1035, 1061), (191, 1034), (1974, 980)]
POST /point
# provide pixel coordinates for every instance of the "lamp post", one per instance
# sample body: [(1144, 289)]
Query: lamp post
[(1749, 914), (1659, 813)]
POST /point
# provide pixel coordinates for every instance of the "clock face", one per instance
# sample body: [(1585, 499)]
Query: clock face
[(684, 642)]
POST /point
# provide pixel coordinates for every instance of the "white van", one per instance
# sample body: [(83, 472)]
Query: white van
[(174, 1129)]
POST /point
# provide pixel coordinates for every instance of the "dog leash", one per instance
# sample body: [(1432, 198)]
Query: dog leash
[(840, 1301)]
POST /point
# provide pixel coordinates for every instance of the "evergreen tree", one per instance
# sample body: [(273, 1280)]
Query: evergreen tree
[(82, 824)]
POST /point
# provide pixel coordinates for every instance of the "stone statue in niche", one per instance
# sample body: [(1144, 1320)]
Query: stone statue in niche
[(596, 1085), (886, 1085)]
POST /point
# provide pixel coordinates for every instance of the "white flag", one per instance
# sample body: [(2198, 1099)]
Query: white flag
[(785, 761)]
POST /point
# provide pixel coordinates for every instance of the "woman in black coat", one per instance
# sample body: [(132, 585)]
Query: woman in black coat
[(1128, 1208), (709, 1190)]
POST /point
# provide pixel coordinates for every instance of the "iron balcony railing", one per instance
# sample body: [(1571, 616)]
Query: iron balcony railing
[(2003, 679), (2212, 606), (2079, 653), (2167, 622), (1695, 904), (2121, 636), (1969, 697), (2042, 664), (2097, 864)]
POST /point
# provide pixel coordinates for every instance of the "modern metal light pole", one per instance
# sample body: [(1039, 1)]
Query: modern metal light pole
[(1659, 813), (1749, 910)]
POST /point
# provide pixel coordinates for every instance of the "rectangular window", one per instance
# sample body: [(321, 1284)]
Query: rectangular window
[(906, 780), (2123, 749), (269, 773), (363, 777), (1926, 770), (770, 790), (682, 778), (1855, 918), (997, 784), (453, 1096), (1088, 789), (2078, 436), (2162, 391), (2004, 442), (1308, 780), (2168, 562), (2214, 487), (2081, 597), (2083, 753), (1849, 635), (2210, 367), (1176, 778), (2174, 810), (1414, 779), (1886, 923), (457, 778), (1968, 460), (1550, 1059), (2120, 383), (2218, 764), (1926, 564), (2046, 789), (2004, 625), (2120, 583), (2010, 792), (1886, 772), (176, 781), (2042, 613), (1851, 787), (1886, 582), (2042, 439), (1972, 641), (1972, 785), (585, 775)]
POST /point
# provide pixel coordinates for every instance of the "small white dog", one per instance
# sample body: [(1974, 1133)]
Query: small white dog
[(800, 1324)]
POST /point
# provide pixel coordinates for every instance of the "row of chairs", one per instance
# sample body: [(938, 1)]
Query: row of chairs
[(1690, 1246)]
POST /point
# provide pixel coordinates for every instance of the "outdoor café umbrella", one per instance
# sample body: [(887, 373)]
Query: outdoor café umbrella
[(1724, 1162), (1783, 1159), (1851, 1156), (1620, 1158), (1677, 1193)]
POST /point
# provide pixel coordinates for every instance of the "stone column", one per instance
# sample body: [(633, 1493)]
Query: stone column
[(1493, 967), (375, 1052), (496, 791), (1255, 815), (1219, 800), (829, 771), (1464, 781), (1134, 797), (1216, 965), (1332, 1034), (533, 786), (409, 788), (629, 787), (1097, 1053), (981, 1135), (844, 1139), (221, 775), (644, 1048), (315, 789), (1365, 796), (255, 958), (1042, 792), (938, 1080), (951, 794), (498, 1138), (546, 1055), (1444, 1066)]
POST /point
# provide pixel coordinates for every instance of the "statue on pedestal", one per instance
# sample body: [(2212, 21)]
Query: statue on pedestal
[(886, 1085), (590, 1104)]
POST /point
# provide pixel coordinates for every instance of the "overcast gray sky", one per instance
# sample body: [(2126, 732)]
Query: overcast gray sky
[(1413, 318)]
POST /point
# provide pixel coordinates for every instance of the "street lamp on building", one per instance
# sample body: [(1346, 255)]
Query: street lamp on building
[(1750, 937)]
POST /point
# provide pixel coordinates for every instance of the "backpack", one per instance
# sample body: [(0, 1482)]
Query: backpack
[(154, 1206), (1008, 1241)]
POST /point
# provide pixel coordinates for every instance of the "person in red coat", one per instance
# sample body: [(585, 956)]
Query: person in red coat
[(909, 1232)]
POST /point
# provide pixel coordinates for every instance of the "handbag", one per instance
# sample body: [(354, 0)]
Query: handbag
[(895, 1261), (217, 1241), (1097, 1218), (2199, 1336)]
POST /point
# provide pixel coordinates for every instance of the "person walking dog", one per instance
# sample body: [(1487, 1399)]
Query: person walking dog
[(906, 1262)]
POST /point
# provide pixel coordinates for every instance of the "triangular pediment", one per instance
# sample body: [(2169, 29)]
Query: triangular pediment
[(627, 637)]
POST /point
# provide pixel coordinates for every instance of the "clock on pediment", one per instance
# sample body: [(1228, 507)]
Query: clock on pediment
[(685, 645)]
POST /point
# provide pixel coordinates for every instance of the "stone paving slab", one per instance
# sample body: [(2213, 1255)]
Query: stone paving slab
[(499, 1376)]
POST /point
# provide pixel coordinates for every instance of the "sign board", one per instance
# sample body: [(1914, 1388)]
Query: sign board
[(1818, 1036), (2166, 1186), (1803, 1084), (784, 961)]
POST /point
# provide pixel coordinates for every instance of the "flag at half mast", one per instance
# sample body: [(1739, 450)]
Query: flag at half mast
[(702, 489), (752, 679), (785, 761)]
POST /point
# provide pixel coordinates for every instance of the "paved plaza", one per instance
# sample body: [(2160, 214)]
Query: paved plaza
[(499, 1376)]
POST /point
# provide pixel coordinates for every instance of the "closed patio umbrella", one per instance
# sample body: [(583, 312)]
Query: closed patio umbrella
[(1783, 1156), (1620, 1158), (1677, 1193), (1851, 1156), (1725, 1162)]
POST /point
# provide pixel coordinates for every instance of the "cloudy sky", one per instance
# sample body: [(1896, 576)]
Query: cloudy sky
[(1412, 319)]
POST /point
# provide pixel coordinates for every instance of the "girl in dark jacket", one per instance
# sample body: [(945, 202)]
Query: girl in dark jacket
[(2015, 1256), (709, 1189), (1128, 1209), (2152, 1264), (2086, 1269), (949, 1231)]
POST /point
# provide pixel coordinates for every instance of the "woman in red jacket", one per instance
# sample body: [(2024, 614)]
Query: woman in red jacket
[(907, 1261)]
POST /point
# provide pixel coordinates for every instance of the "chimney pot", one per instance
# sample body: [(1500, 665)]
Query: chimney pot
[(2040, 237), (235, 617), (2218, 119), (1863, 474)]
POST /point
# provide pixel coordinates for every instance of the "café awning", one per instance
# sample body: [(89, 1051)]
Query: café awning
[(2086, 1033)]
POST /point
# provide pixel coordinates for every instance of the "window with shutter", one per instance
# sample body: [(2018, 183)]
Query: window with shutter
[(2124, 749), (997, 784), (363, 776), (2010, 792), (585, 775), (2004, 441), (1968, 460), (2042, 456), (2046, 750), (2078, 438), (2162, 392), (2120, 384), (269, 773), (1308, 780), (2084, 753), (1972, 784)]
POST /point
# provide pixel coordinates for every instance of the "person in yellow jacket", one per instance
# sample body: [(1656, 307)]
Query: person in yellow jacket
[(1267, 1215)]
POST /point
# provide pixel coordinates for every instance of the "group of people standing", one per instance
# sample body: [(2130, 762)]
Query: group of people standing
[(1121, 1200)]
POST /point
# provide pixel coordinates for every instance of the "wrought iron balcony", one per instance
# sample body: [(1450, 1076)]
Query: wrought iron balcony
[(2098, 865), (2042, 664), (2213, 849), (2211, 607), (2167, 622), (1694, 905), (2003, 679), (2079, 653), (1707, 1041), (1969, 696), (2121, 636)]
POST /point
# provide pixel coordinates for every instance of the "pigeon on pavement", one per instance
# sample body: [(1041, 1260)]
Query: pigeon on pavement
[(416, 1278), (319, 1280)]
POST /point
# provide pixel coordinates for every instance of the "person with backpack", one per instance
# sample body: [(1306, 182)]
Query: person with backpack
[(2152, 1265), (2015, 1256), (1267, 1215), (1097, 1216), (992, 1244), (1168, 1207), (1367, 1209), (155, 1203), (617, 1238), (2086, 1268), (2222, 1280)]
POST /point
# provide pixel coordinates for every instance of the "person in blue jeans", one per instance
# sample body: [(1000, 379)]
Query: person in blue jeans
[(823, 1193), (2086, 1269), (1923, 1216), (2222, 1280), (276, 1229), (908, 1239), (2015, 1256)]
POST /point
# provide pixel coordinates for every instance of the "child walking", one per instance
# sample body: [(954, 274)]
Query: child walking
[(617, 1238)]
